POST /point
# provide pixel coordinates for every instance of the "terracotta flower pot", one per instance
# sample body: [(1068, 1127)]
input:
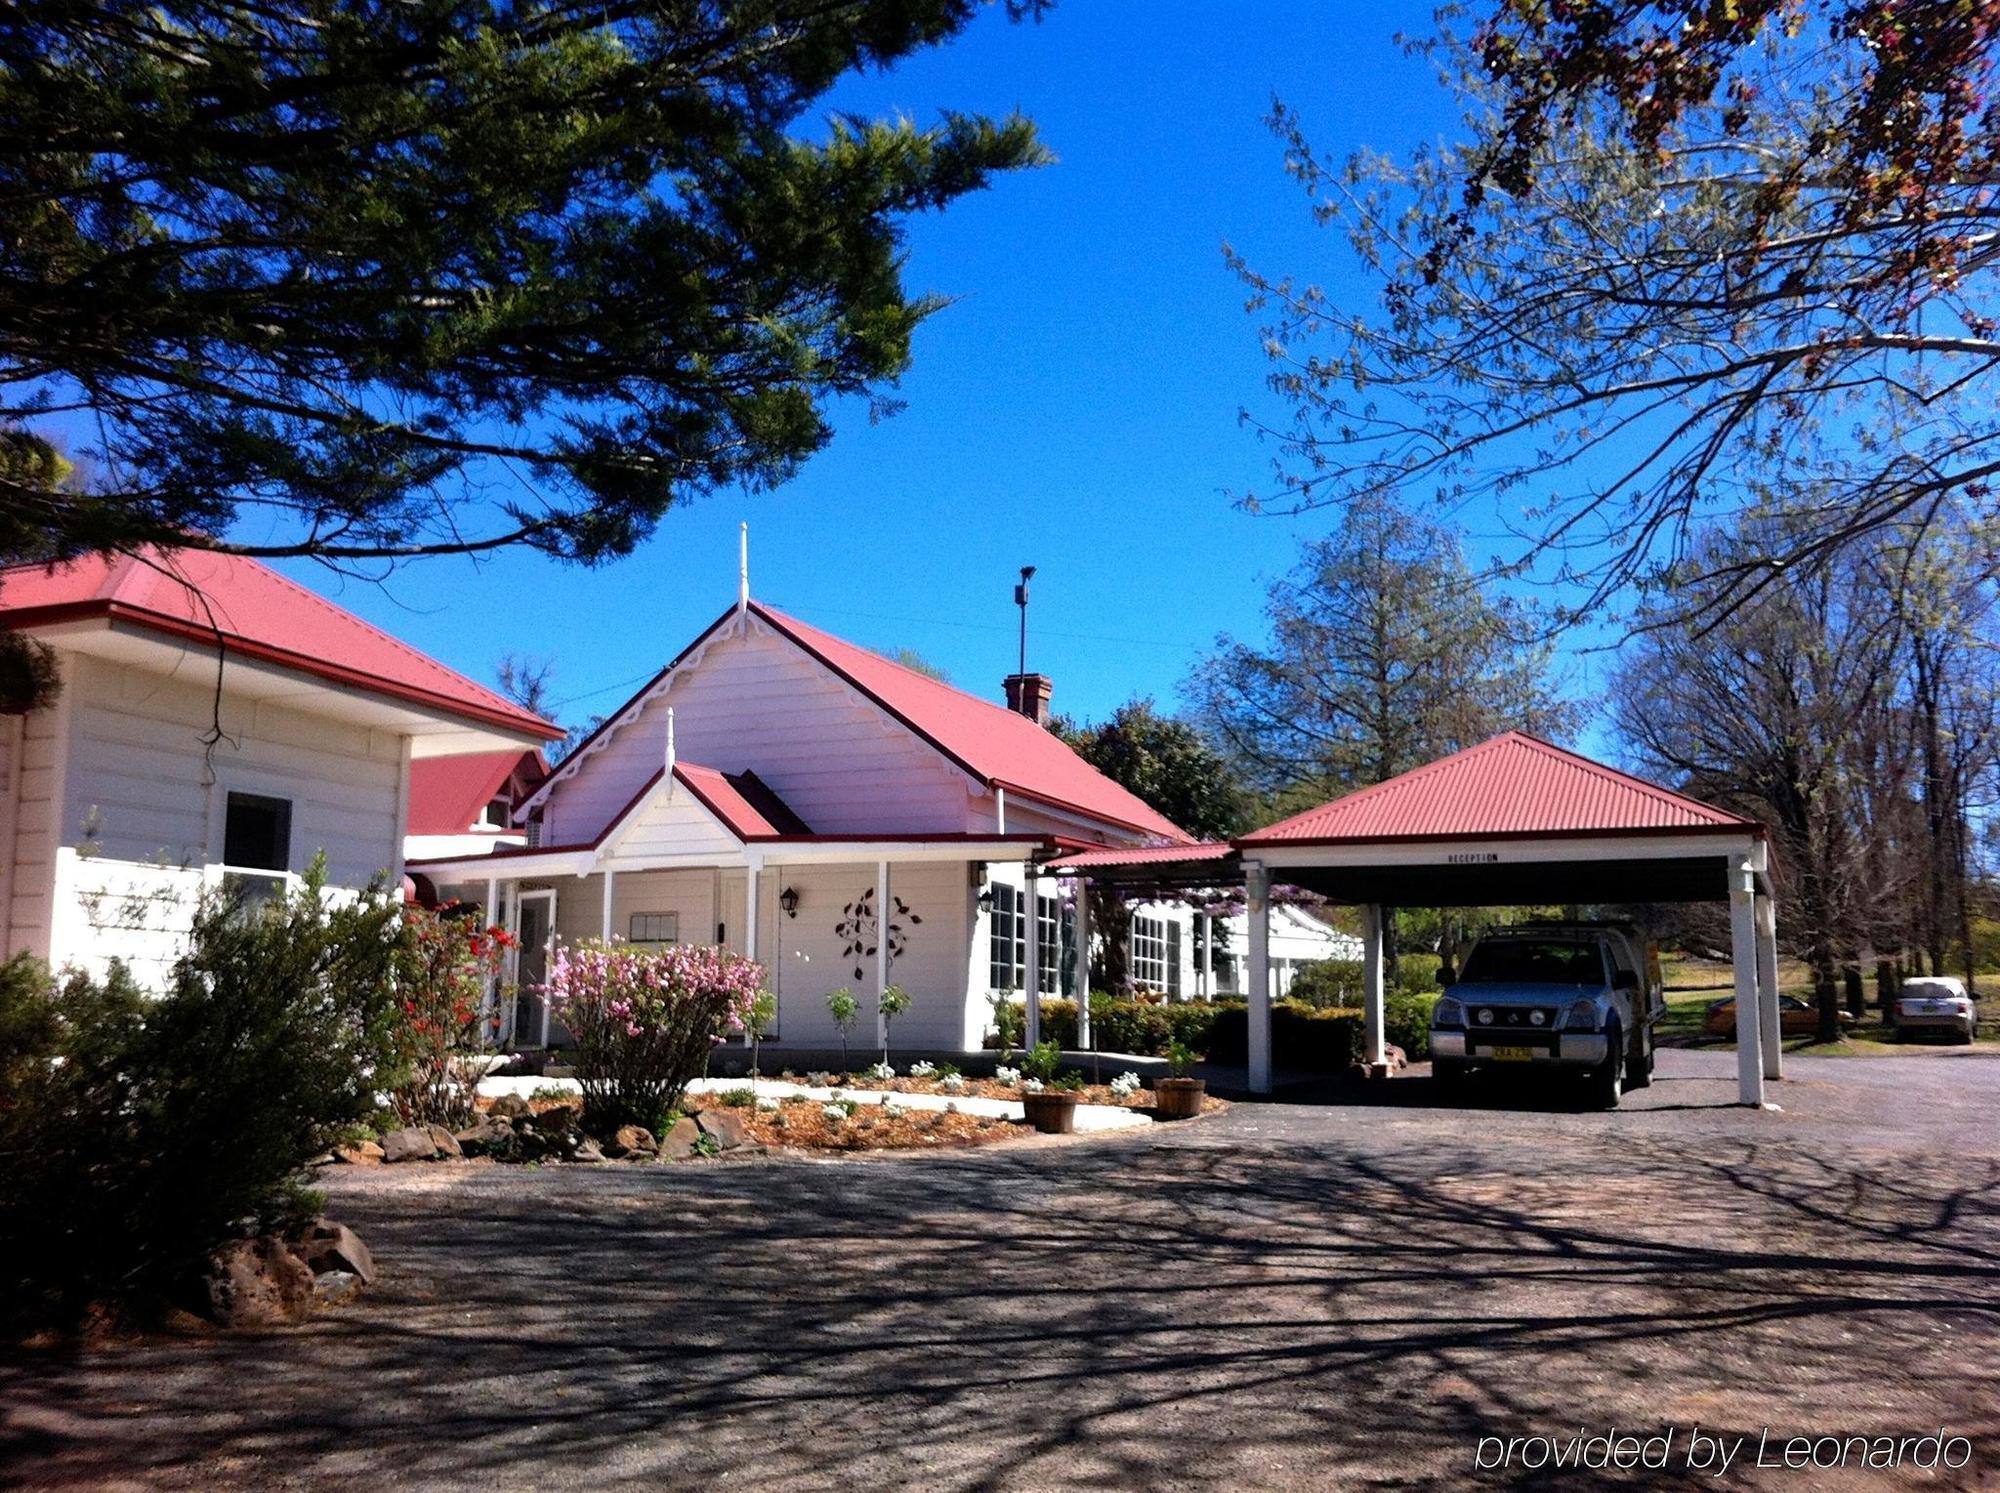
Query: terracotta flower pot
[(1052, 1112), (1178, 1098)]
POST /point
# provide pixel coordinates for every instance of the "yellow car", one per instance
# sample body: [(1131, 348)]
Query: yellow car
[(1796, 1018)]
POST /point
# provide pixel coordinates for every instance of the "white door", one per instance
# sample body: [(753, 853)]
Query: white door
[(531, 967)]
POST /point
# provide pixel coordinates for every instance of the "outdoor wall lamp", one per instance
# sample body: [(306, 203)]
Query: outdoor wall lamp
[(788, 899)]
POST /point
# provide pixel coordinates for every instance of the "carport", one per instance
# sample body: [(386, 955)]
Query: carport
[(1512, 821)]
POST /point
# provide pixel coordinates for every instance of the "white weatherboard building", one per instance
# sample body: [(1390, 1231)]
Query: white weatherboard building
[(848, 822), (216, 721)]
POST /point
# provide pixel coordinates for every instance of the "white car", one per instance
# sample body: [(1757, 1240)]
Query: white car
[(1936, 1003)]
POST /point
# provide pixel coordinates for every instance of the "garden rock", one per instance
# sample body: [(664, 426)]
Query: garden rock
[(533, 1144), (586, 1151), (555, 1121), (257, 1283), (333, 1247), (728, 1127), (366, 1154), (679, 1142), (446, 1143), (633, 1140), (336, 1288), (488, 1135), (511, 1107), (416, 1143)]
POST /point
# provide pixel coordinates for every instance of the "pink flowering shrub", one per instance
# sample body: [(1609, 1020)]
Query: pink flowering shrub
[(644, 1021)]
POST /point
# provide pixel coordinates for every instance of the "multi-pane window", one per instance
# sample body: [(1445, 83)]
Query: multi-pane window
[(1006, 941), (1049, 944), (654, 928), (1149, 952)]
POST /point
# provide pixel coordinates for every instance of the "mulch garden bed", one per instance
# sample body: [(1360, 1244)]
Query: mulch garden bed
[(984, 1088)]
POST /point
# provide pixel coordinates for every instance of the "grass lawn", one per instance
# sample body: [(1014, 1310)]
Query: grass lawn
[(1693, 984)]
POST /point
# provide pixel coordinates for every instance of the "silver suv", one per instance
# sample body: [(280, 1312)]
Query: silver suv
[(1936, 1003), (1578, 996)]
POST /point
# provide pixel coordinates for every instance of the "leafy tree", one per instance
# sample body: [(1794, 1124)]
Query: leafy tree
[(845, 1011), (528, 680), (1384, 652), (1174, 768), (1168, 763), (416, 276), (1687, 262), (909, 658)]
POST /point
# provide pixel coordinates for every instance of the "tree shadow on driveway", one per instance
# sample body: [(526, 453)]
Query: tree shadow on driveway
[(1200, 1304)]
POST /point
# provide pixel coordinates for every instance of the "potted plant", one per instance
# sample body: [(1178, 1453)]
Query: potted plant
[(1047, 1095), (1179, 1097)]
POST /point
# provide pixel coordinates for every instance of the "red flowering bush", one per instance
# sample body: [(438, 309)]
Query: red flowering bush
[(447, 965), (644, 1021)]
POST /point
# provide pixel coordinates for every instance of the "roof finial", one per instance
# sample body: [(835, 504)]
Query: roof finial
[(743, 570), (669, 775)]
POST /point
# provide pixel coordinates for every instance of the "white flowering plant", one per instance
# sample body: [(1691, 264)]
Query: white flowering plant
[(923, 1068), (1125, 1085), (1032, 1086), (880, 1072), (952, 1083), (834, 1113), (1006, 1075)]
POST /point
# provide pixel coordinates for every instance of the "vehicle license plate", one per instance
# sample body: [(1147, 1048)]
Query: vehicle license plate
[(1512, 1054)]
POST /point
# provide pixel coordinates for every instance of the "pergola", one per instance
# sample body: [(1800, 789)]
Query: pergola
[(1511, 821)]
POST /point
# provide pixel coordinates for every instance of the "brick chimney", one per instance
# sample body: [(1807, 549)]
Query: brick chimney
[(1028, 694)]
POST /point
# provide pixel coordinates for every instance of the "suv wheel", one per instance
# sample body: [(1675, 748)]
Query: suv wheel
[(1449, 1076), (1639, 1071), (1607, 1081)]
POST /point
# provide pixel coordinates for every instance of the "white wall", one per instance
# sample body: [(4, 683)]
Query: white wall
[(756, 701), (138, 782)]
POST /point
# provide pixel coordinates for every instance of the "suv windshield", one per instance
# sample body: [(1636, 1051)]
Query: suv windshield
[(1534, 961)]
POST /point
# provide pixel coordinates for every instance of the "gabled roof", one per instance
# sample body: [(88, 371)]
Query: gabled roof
[(989, 742), (447, 794), (994, 744), (744, 802), (206, 597), (1513, 784)]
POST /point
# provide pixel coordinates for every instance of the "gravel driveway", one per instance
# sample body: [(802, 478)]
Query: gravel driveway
[(1282, 1296)]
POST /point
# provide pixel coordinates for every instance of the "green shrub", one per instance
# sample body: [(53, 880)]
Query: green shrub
[(1302, 1038), (138, 1134), (1327, 984), (1417, 974), (1406, 1022), (743, 1098), (1144, 1028)]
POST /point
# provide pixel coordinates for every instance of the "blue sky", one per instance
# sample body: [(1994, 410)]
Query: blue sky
[(1075, 408)]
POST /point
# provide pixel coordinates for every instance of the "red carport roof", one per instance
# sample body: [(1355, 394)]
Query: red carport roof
[(206, 597), (1512, 785)]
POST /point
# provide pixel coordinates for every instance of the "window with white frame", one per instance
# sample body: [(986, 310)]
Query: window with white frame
[(654, 928), (1049, 944), (1149, 952), (257, 832), (1007, 953)]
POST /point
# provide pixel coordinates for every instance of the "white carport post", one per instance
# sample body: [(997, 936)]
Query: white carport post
[(604, 918), (881, 950), (1372, 1053), (1743, 954), (1079, 962), (1767, 987), (1257, 913), (1031, 956)]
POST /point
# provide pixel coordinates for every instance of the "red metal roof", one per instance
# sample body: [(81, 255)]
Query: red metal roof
[(993, 743), (255, 612), (447, 794), (1147, 855), (1514, 784), (742, 801)]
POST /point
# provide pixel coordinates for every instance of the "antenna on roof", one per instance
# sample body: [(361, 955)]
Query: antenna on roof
[(1021, 601), (743, 570)]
